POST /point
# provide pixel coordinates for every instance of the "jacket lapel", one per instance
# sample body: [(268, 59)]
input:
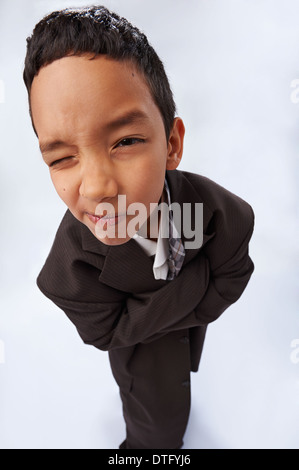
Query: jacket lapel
[(125, 267)]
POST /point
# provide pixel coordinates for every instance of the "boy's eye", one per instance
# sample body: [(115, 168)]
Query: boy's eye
[(60, 160), (129, 141)]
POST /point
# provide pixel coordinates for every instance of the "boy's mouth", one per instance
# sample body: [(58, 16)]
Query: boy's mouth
[(112, 219)]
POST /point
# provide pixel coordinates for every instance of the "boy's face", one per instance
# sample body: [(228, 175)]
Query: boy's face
[(102, 136)]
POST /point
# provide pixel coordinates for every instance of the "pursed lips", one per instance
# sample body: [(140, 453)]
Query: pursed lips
[(111, 219)]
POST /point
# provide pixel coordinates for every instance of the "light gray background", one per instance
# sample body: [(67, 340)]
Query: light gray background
[(231, 64)]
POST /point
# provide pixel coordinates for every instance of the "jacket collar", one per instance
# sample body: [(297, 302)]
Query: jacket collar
[(182, 191)]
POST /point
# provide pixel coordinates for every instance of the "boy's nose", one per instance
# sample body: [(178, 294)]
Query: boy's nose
[(98, 183)]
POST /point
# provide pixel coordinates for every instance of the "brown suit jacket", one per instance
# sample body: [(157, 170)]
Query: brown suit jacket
[(111, 295)]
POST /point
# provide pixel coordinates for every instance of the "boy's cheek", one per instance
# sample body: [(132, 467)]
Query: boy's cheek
[(66, 195)]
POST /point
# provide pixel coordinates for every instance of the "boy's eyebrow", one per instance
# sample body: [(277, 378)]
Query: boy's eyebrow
[(51, 146), (128, 118)]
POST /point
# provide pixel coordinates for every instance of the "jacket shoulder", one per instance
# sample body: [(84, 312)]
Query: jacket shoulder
[(212, 193), (222, 202), (232, 219)]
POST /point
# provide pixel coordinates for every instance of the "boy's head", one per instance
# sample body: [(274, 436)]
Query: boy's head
[(95, 31), (101, 106)]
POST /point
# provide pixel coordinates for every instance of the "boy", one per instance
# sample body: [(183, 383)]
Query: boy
[(144, 287)]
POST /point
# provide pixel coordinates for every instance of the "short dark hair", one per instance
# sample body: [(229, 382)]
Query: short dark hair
[(96, 30)]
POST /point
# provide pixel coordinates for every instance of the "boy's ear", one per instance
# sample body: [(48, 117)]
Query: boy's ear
[(175, 144)]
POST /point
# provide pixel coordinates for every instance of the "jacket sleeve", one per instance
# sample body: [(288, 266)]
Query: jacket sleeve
[(137, 318), (227, 281)]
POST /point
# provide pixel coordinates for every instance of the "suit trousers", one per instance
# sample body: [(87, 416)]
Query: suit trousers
[(154, 384)]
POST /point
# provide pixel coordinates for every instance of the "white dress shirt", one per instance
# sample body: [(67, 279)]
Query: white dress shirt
[(160, 249)]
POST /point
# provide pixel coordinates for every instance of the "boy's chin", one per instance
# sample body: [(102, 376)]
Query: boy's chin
[(112, 241)]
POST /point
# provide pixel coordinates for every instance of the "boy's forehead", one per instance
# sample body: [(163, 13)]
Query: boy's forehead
[(96, 89), (88, 75)]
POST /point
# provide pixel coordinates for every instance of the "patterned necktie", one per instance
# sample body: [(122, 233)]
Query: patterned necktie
[(176, 247)]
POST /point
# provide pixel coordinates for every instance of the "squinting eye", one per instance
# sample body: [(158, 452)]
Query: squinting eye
[(58, 161), (129, 141)]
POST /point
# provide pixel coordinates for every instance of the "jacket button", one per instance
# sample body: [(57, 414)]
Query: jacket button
[(186, 383), (184, 339)]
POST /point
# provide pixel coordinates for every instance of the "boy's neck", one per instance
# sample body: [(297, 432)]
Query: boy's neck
[(155, 230)]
